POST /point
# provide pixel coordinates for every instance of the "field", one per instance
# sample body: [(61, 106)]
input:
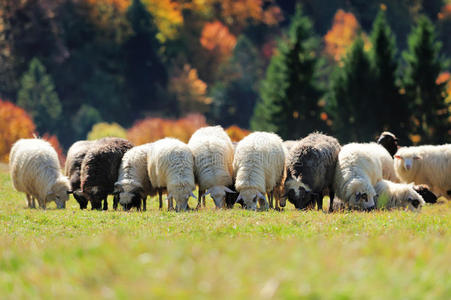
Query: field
[(221, 254)]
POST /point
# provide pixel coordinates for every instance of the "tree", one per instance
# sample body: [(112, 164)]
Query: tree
[(392, 108), (426, 96), (144, 71), (38, 97), (289, 93), (351, 101), (101, 130)]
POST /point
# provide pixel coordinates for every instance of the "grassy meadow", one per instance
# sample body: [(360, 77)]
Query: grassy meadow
[(231, 254)]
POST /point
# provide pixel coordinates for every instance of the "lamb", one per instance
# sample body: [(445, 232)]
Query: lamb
[(310, 170), (213, 158), (75, 156), (133, 184), (356, 173), (170, 165), (389, 141), (430, 165), (99, 170), (259, 167), (35, 171), (398, 195)]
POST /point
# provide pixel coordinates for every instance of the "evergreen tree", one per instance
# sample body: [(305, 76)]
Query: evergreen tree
[(425, 96), (351, 102), (391, 109), (289, 94), (38, 97), (144, 71)]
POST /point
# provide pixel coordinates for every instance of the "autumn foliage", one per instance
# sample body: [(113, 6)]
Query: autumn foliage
[(152, 129), (53, 140), (217, 37), (15, 123), (103, 129), (236, 133)]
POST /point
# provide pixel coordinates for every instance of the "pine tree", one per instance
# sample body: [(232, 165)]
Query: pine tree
[(392, 108), (144, 71), (289, 93), (425, 96), (351, 103), (38, 97)]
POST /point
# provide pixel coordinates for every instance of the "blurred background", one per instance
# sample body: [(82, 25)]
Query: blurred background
[(145, 69)]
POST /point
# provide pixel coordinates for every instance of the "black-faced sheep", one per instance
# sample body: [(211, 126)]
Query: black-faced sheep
[(259, 168), (99, 170), (430, 165), (170, 165), (213, 157), (425, 192), (310, 170), (35, 170), (133, 184), (75, 156)]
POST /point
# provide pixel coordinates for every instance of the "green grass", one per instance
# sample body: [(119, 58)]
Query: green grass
[(221, 254)]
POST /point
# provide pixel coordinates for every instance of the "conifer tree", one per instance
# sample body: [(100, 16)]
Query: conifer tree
[(38, 97), (426, 97), (289, 93)]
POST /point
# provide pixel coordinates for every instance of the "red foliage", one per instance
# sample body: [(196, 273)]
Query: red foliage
[(53, 140), (236, 133), (15, 124), (153, 129)]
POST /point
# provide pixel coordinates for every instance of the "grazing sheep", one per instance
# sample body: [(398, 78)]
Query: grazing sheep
[(430, 165), (356, 173), (425, 192), (213, 158), (133, 184), (99, 170), (398, 195), (387, 162), (35, 171), (389, 141), (310, 170), (75, 156), (259, 167), (170, 165)]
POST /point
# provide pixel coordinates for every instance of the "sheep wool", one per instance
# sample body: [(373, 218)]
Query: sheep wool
[(35, 170), (398, 195), (213, 153), (170, 165), (259, 167)]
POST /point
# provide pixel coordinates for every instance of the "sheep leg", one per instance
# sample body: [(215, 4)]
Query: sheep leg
[(145, 203), (264, 205), (170, 204), (30, 200), (270, 197), (331, 200), (199, 199), (42, 204), (105, 204), (277, 199), (115, 201), (203, 200), (160, 199), (319, 202)]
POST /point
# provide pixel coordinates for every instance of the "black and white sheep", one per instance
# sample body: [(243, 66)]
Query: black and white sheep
[(397, 195), (259, 168), (99, 170), (310, 170), (35, 170), (213, 158), (389, 141), (75, 156), (170, 165)]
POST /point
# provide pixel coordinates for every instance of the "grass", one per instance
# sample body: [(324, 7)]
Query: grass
[(231, 254)]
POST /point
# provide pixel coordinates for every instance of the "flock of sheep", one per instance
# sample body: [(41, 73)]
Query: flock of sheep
[(256, 172)]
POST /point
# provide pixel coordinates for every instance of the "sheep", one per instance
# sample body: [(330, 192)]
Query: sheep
[(310, 170), (430, 165), (356, 173), (213, 157), (259, 167), (398, 195), (75, 156), (35, 170), (170, 165), (425, 192), (133, 184), (289, 144), (99, 170), (389, 141), (387, 162)]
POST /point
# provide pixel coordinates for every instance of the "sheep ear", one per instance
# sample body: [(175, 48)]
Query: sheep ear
[(398, 156), (229, 190)]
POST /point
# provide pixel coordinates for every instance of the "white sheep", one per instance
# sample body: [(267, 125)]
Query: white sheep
[(430, 165), (133, 184), (398, 195), (387, 162), (170, 165), (35, 170), (259, 167), (213, 163), (358, 170)]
